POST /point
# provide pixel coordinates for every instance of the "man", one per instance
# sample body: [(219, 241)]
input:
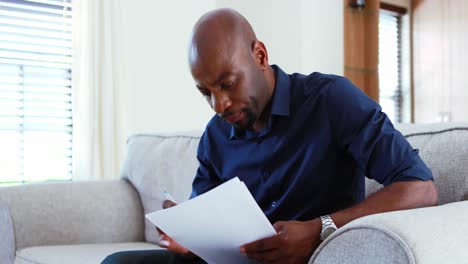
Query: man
[(302, 145)]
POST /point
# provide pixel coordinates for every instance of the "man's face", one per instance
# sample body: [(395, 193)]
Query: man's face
[(233, 86)]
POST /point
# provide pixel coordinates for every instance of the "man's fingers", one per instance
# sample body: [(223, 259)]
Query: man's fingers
[(172, 245), (163, 241), (166, 241), (167, 204), (278, 226), (265, 250), (266, 244)]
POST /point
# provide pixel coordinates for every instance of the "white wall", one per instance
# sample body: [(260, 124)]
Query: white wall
[(322, 36), (160, 96), (300, 35), (278, 25)]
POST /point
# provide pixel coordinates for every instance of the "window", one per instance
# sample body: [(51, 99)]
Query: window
[(394, 87), (35, 90)]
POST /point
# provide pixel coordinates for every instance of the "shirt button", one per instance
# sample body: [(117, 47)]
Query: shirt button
[(273, 204)]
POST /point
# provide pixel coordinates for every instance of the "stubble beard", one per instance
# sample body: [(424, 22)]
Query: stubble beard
[(251, 116)]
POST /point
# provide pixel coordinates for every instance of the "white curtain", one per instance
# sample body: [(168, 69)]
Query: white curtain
[(97, 79)]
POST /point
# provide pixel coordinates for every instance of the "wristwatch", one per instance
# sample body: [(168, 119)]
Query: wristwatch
[(328, 227)]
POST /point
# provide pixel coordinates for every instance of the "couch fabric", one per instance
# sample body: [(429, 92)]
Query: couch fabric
[(161, 162), (42, 214), (68, 213), (7, 236), (359, 248)]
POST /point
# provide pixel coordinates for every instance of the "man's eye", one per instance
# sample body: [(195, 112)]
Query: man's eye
[(227, 85)]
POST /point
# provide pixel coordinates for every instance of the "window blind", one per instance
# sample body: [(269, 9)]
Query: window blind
[(35, 90), (390, 92)]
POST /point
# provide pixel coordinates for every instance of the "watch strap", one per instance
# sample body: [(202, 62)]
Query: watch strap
[(327, 223)]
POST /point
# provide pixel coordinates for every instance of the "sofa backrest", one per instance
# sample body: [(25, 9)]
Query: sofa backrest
[(444, 148), (155, 163)]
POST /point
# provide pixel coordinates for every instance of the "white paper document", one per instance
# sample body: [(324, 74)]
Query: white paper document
[(215, 224)]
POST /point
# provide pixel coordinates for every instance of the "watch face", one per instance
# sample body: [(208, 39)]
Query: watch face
[(327, 232)]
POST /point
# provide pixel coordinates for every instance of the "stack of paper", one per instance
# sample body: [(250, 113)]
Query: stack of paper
[(215, 224)]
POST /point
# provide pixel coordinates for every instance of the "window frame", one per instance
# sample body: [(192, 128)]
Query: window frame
[(404, 93)]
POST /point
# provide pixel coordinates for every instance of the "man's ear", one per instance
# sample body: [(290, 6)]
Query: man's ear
[(260, 54)]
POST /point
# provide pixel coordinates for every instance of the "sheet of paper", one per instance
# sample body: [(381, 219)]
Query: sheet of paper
[(215, 224)]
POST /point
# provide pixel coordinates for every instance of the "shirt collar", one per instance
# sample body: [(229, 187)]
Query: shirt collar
[(280, 104), (282, 93)]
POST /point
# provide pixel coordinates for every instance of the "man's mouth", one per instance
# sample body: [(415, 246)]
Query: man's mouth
[(234, 118)]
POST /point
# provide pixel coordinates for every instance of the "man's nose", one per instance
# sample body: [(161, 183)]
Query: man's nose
[(220, 102)]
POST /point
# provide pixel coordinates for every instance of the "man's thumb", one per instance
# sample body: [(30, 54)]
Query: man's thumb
[(278, 226), (168, 203)]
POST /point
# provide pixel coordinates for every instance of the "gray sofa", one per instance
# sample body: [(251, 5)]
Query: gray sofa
[(82, 222)]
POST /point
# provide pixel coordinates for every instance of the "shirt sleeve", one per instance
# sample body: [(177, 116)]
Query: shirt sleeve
[(368, 136), (205, 179)]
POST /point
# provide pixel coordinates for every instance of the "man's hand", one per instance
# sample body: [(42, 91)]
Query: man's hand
[(166, 241), (294, 243)]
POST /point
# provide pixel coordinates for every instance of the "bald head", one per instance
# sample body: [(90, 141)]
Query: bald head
[(230, 68), (220, 33)]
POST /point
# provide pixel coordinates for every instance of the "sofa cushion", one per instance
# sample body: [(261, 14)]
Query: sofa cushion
[(75, 254), (444, 148), (161, 162)]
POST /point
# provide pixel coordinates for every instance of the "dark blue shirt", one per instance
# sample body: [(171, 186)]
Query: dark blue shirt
[(323, 136)]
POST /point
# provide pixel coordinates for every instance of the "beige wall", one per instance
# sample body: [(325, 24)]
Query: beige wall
[(159, 93)]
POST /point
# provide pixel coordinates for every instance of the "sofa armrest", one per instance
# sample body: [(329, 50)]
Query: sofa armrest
[(73, 213), (425, 235), (7, 237)]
